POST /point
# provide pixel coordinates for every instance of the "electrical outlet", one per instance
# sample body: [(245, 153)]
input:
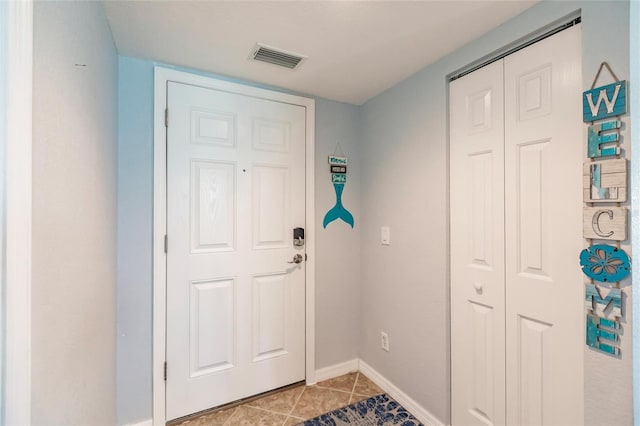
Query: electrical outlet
[(384, 341)]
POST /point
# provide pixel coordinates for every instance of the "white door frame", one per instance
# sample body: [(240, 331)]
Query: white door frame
[(16, 70), (162, 76)]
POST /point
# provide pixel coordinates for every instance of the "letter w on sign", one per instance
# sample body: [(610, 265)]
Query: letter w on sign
[(605, 101)]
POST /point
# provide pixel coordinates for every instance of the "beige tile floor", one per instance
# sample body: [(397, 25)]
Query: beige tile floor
[(292, 406)]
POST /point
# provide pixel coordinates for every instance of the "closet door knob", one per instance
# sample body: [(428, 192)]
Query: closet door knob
[(478, 287)]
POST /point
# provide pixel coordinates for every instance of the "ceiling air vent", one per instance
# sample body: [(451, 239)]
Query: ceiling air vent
[(276, 56)]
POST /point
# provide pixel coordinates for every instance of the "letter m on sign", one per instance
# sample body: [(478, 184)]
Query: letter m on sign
[(605, 101), (611, 304)]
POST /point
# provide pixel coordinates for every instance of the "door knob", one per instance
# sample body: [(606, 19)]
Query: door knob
[(296, 259), (478, 287)]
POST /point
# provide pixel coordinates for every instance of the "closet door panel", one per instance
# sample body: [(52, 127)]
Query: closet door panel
[(477, 247), (543, 232)]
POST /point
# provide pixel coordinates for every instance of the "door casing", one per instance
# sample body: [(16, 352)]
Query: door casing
[(161, 77), (16, 106)]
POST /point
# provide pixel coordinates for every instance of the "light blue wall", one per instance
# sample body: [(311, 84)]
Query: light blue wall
[(405, 173), (3, 147), (634, 49), (337, 247), (135, 220)]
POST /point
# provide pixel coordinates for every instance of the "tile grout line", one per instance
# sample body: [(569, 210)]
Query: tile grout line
[(350, 393), (265, 410), (294, 404), (353, 389), (290, 415), (235, 410), (333, 389), (256, 408)]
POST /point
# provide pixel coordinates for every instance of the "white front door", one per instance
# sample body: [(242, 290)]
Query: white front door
[(235, 192), (517, 293)]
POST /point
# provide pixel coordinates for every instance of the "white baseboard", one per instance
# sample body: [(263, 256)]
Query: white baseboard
[(394, 392), (148, 422), (336, 370)]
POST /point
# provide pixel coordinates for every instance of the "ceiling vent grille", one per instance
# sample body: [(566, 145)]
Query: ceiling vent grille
[(276, 56)]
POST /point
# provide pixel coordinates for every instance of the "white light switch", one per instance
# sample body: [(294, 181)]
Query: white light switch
[(385, 236)]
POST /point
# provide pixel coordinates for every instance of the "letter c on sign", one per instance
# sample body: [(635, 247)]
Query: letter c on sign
[(596, 225)]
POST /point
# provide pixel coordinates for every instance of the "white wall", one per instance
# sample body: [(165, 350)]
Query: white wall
[(404, 185), (338, 255), (74, 215)]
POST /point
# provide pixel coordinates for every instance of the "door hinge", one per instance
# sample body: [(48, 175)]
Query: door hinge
[(165, 371), (166, 117), (305, 257), (166, 243)]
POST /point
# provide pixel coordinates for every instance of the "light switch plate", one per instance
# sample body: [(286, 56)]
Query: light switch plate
[(385, 236)]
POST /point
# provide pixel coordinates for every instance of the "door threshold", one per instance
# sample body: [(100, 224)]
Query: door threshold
[(234, 403)]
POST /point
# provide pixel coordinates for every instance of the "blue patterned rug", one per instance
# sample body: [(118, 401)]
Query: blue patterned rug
[(379, 410)]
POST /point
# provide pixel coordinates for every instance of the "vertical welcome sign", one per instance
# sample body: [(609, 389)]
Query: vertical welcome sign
[(604, 219)]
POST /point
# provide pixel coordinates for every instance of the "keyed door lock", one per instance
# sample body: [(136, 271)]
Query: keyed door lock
[(298, 237)]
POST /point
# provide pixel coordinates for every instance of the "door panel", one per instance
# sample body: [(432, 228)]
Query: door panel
[(235, 191), (213, 206), (543, 200), (477, 247), (212, 331), (269, 316), (271, 202)]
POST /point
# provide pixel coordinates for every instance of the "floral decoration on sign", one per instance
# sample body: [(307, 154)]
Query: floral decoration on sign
[(605, 263)]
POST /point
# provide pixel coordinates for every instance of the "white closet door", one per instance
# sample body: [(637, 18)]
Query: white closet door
[(543, 217), (477, 247)]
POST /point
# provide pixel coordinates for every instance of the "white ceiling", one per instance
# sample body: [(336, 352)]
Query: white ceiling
[(355, 49)]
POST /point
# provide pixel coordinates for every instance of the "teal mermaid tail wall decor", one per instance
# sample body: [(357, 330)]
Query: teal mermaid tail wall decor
[(338, 211)]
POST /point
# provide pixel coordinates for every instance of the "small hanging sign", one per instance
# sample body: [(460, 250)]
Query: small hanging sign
[(605, 263), (338, 169), (603, 306), (338, 160), (605, 223), (338, 178), (605, 181), (600, 136), (596, 333), (605, 101)]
